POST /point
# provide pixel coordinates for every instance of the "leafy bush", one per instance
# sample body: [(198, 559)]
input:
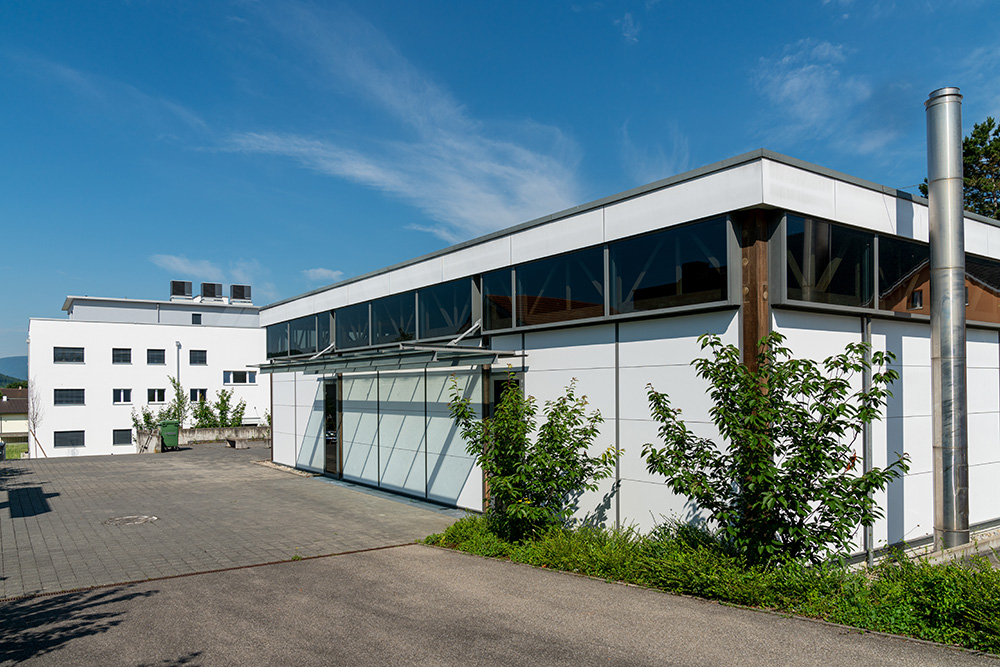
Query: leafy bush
[(533, 485), (221, 413), (786, 484)]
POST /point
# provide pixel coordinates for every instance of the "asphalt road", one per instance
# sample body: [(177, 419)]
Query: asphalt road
[(379, 600)]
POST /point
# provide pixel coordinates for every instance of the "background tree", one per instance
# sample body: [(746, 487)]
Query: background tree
[(220, 413), (981, 169), (785, 483), (36, 411)]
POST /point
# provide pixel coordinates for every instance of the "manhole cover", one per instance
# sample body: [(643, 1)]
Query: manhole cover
[(129, 520)]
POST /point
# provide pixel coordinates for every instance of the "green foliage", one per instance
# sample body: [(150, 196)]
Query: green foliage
[(981, 169), (221, 413), (9, 382), (267, 418), (15, 451), (178, 406), (957, 604), (787, 483), (533, 485)]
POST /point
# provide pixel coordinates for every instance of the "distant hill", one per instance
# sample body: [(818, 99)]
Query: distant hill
[(6, 380), (15, 367)]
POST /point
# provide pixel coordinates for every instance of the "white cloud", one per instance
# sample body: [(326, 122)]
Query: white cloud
[(651, 161), (468, 176), (323, 275), (630, 29)]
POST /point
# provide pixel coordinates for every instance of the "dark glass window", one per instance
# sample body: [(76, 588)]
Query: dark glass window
[(156, 395), (568, 287), (121, 395), (828, 263), (903, 275), (120, 355), (195, 318), (121, 436), (394, 319), (68, 397), (498, 302), (352, 326), (982, 289), (302, 335), (323, 331), (198, 357), (67, 355), (156, 357), (198, 395), (239, 377), (676, 267), (68, 438), (446, 309), (277, 340)]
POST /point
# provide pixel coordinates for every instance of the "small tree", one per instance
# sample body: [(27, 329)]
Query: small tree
[(179, 405), (221, 413), (36, 411), (537, 484), (786, 484)]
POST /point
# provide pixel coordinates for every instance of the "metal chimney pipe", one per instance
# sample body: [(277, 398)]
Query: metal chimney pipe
[(948, 363)]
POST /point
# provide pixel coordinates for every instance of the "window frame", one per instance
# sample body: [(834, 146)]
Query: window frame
[(57, 402), (229, 378), (121, 356), (82, 434), (121, 396), (162, 351), (197, 394), (192, 362), (115, 433), (55, 360), (153, 401)]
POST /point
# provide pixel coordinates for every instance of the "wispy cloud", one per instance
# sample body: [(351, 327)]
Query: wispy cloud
[(629, 27), (239, 272), (466, 174), (182, 267), (109, 95), (322, 275), (652, 161), (813, 99)]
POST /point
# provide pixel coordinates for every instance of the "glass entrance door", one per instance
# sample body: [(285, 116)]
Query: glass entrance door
[(331, 423)]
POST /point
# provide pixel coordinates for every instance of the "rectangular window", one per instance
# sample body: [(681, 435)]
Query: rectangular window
[(323, 331), (156, 395), (121, 395), (198, 395), (352, 326), (827, 263), (121, 355), (68, 439), (904, 272), (394, 319), (239, 377), (195, 318), (198, 357), (277, 340), (156, 357), (302, 335), (121, 436), (446, 309), (498, 301), (982, 289), (676, 267), (67, 355), (568, 287), (68, 397)]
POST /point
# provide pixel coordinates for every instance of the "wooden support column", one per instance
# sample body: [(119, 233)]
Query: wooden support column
[(756, 312)]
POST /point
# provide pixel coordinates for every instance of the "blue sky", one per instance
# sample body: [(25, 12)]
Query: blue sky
[(289, 144)]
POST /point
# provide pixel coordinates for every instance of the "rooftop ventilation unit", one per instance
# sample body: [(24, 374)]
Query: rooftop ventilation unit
[(180, 289), (211, 290), (239, 293)]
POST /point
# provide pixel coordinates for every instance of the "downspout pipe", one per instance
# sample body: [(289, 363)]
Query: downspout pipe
[(948, 351)]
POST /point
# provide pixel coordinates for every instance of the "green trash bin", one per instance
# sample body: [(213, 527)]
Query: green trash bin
[(169, 430)]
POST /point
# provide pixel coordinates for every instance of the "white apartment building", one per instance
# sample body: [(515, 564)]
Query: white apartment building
[(110, 356)]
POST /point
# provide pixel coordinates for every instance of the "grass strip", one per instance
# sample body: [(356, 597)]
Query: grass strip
[(953, 603)]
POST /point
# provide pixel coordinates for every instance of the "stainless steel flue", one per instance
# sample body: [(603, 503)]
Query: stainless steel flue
[(948, 364)]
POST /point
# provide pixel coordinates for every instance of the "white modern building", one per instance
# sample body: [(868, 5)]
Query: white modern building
[(615, 294), (110, 356)]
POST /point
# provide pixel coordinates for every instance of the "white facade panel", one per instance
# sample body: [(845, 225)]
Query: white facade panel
[(861, 207), (982, 348), (984, 493), (309, 418), (993, 240), (558, 236), (673, 341), (452, 474), (646, 504), (475, 259), (368, 288), (984, 439), (799, 190), (402, 459), (976, 238), (414, 276), (359, 433), (283, 418), (713, 194), (569, 349)]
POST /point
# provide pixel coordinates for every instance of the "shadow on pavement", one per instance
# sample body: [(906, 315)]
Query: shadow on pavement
[(186, 659), (36, 626), (27, 501)]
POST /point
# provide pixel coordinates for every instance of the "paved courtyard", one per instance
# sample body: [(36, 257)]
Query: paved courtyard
[(214, 507)]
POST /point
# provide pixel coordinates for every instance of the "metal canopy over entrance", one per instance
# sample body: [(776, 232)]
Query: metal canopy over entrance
[(404, 357)]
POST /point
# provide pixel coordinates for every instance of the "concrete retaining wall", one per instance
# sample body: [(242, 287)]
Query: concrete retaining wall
[(188, 436)]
